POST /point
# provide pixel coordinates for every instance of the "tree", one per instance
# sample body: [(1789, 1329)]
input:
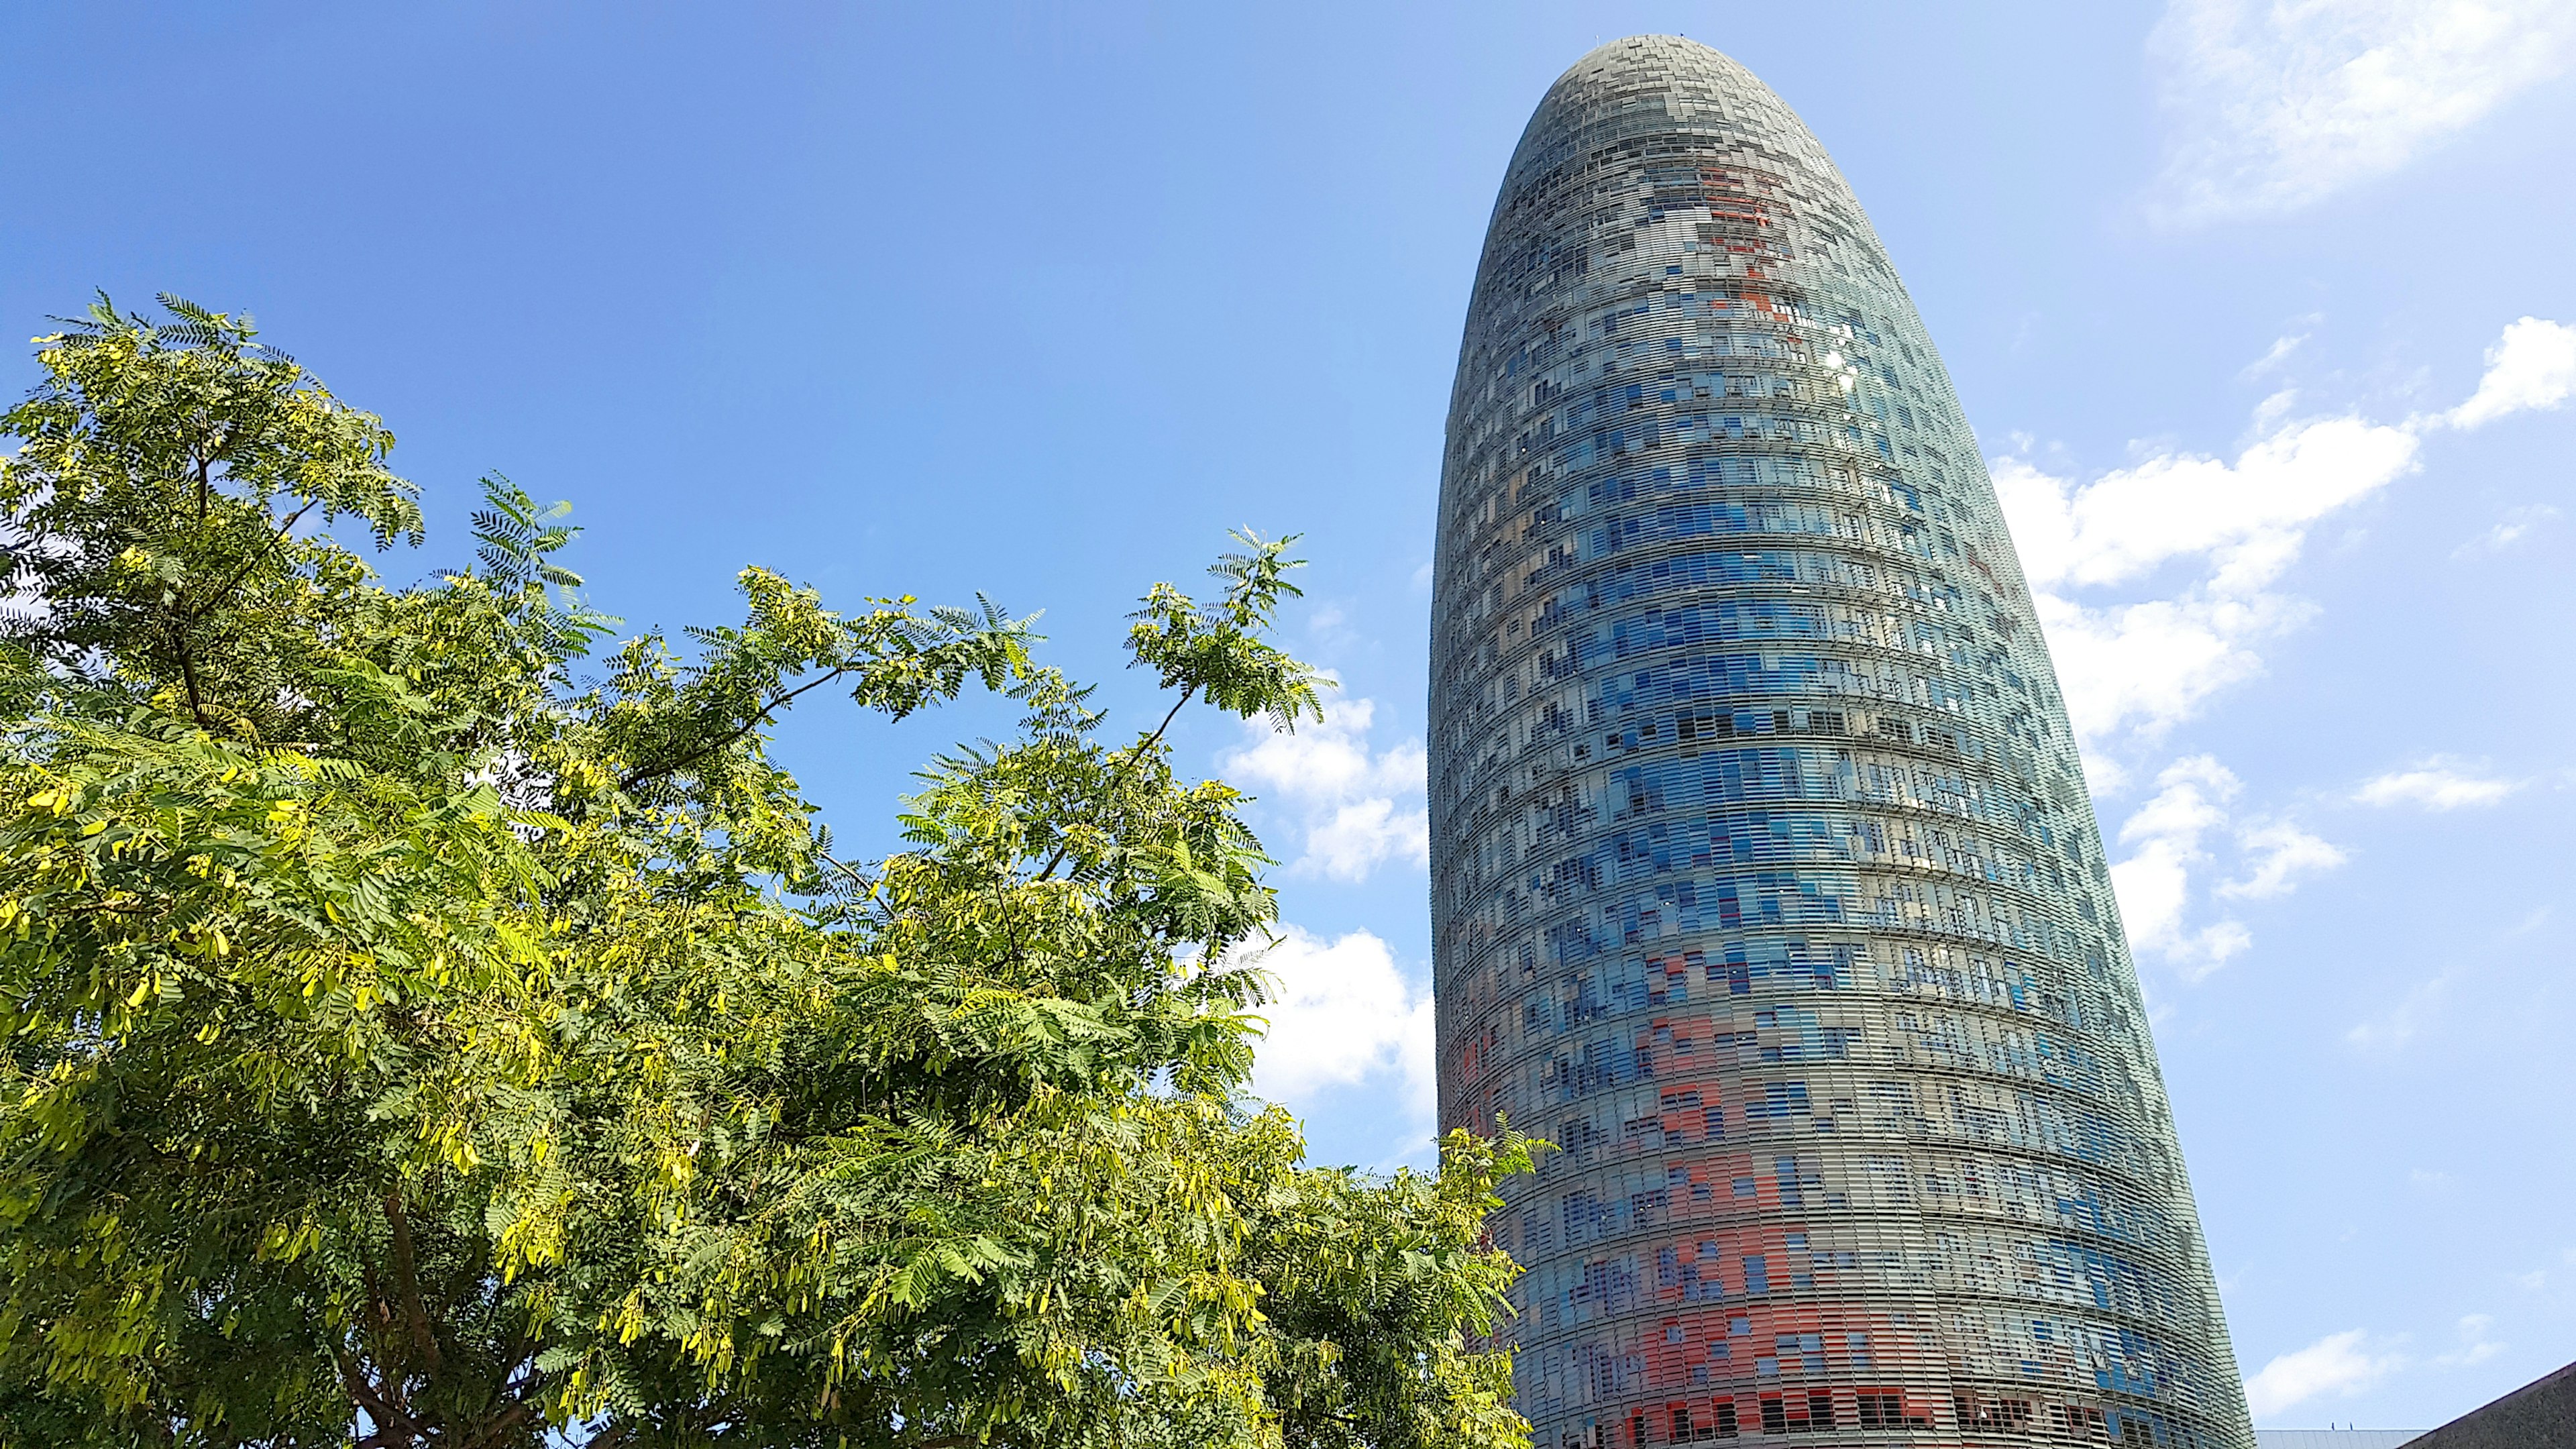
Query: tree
[(410, 1043)]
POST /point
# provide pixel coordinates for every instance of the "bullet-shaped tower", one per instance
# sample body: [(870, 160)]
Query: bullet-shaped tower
[(1764, 878)]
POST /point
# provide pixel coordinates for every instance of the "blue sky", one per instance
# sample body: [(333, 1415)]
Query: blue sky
[(1041, 301)]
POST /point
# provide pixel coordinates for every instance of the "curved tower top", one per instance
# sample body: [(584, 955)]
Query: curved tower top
[(1764, 878)]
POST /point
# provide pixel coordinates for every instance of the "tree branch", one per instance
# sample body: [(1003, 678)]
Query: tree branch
[(375, 1405), (496, 1430), (866, 889), (407, 1283), (1134, 758), (188, 675), (274, 539), (639, 775), (188, 617)]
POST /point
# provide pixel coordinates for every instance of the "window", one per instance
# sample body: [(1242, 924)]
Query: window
[(2010, 1415), (1704, 726), (2077, 1421), (1687, 1426)]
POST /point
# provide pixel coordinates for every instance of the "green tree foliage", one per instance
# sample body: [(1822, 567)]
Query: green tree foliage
[(410, 1042)]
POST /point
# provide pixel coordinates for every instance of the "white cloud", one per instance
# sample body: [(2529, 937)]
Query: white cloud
[(2531, 367), (2277, 105), (2282, 853), (1360, 833), (2212, 946), (2155, 582), (2145, 665), (2435, 784), (1341, 1014), (2247, 518), (1358, 807), (2339, 1363), (2154, 885), (2151, 664), (2170, 834)]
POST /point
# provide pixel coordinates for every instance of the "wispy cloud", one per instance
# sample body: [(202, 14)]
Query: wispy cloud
[(2274, 106), (2475, 1345), (2516, 525), (2399, 1024), (2281, 855), (1342, 1013), (2435, 784), (2420, 1007), (2281, 349), (2339, 1363), (1357, 807)]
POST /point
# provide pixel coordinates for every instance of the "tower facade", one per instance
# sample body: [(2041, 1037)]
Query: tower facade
[(1765, 883)]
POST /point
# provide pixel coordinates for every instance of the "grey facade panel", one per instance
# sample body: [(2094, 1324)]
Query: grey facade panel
[(1765, 882)]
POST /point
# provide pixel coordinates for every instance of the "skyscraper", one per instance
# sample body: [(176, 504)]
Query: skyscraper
[(1765, 882)]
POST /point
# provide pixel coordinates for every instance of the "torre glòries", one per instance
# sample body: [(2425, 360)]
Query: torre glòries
[(1765, 883)]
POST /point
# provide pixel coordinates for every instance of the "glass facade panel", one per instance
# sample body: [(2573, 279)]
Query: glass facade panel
[(1765, 880)]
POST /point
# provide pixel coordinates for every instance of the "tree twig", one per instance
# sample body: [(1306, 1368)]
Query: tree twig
[(1134, 758), (274, 539), (188, 617), (639, 775)]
